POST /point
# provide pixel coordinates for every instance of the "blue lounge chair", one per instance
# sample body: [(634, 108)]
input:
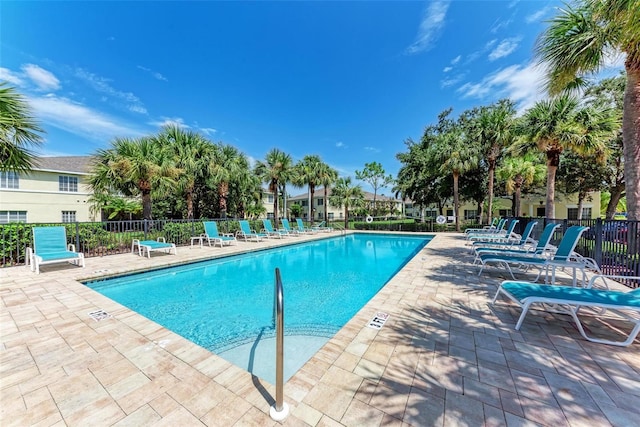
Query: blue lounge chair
[(272, 232), (149, 246), (514, 244), (246, 233), (569, 300), (499, 226), (321, 227), (302, 229), (287, 227), (50, 246), (211, 234), (542, 246), (564, 257), (495, 237)]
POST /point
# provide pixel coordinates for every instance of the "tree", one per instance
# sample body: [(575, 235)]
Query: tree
[(348, 195), (18, 131), (230, 165), (492, 129), (275, 169), (559, 124), (577, 42), (374, 175), (582, 174), (307, 172), (518, 173), (326, 176), (193, 155), (134, 167)]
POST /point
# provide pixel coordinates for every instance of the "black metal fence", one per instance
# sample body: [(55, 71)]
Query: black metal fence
[(613, 244)]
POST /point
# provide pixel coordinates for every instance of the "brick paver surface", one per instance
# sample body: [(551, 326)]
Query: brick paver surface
[(444, 357)]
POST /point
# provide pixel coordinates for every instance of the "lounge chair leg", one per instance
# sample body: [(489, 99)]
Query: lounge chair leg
[(525, 309)]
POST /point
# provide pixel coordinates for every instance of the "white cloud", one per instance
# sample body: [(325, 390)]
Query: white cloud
[(79, 119), (155, 74), (43, 79), (208, 131), (102, 85), (169, 121), (522, 84), (499, 25), (536, 16), (10, 77), (455, 60), (431, 25), (340, 144), (452, 80), (372, 149), (505, 48), (447, 69)]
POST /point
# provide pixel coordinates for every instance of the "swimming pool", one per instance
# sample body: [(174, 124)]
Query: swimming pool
[(226, 304)]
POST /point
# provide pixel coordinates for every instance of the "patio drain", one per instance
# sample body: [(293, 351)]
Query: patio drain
[(99, 315)]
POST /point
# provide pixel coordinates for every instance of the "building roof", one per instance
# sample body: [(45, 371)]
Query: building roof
[(319, 192), (75, 164)]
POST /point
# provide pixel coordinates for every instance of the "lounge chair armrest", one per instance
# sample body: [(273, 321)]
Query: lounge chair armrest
[(161, 239), (608, 276), (71, 247)]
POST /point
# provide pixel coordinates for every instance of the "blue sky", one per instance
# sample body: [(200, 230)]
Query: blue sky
[(349, 81)]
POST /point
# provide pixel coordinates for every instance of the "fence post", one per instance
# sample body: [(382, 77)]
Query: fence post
[(597, 255)]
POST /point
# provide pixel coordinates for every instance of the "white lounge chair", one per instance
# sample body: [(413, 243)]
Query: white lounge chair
[(246, 233), (211, 234), (570, 300), (149, 246), (50, 246), (272, 232)]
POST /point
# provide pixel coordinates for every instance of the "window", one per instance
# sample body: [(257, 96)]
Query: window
[(304, 203), (68, 183), (9, 180), (330, 215), (541, 212), (269, 198), (429, 213), (470, 214), (12, 216), (505, 212), (319, 202), (572, 213), (68, 216)]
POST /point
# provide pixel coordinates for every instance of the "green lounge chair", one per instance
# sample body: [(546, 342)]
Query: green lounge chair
[(50, 246), (564, 257), (499, 226), (322, 227), (272, 232), (211, 234), (569, 300), (149, 246), (302, 229), (495, 237), (287, 227), (514, 244), (246, 233)]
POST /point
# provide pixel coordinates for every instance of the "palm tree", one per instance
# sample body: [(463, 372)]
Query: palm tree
[(230, 165), (276, 168), (307, 172), (518, 173), (326, 176), (559, 124), (577, 42), (131, 167), (193, 155), (455, 156), (18, 130), (492, 129), (348, 195)]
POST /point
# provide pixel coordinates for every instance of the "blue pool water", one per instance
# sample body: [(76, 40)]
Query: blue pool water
[(226, 303)]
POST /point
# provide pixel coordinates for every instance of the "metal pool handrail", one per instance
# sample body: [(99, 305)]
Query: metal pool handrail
[(279, 410)]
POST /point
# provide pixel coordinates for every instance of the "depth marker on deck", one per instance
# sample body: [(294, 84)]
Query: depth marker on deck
[(99, 315), (378, 320)]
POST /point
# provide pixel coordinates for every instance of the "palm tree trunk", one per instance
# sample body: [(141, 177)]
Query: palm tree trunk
[(190, 204), (346, 217), (146, 204), (631, 138), (553, 160), (223, 190), (492, 167), (326, 211), (581, 197), (516, 201), (616, 195), (456, 201), (312, 190)]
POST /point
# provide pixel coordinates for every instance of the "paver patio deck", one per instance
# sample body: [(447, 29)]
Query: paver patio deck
[(445, 357)]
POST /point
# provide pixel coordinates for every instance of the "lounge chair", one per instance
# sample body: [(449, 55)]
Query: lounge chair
[(211, 234), (525, 239), (50, 246), (541, 247), (246, 233), (287, 227), (272, 232), (564, 257), (322, 227), (569, 300), (490, 229), (507, 236), (149, 246), (302, 229)]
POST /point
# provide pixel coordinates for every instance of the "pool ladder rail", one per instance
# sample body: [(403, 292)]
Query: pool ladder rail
[(280, 410)]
